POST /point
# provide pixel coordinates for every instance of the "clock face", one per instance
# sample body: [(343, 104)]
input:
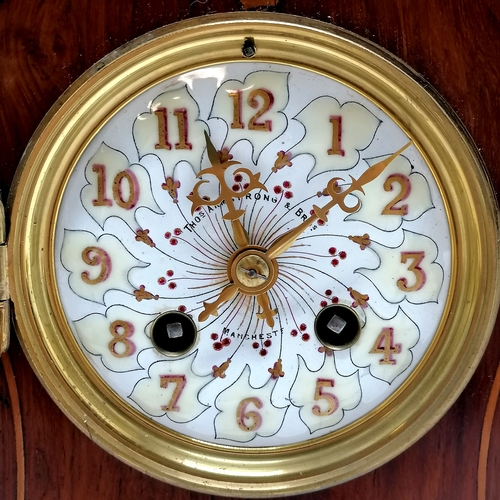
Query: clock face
[(266, 283), (261, 242)]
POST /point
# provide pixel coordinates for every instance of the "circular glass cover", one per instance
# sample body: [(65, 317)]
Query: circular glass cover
[(216, 218)]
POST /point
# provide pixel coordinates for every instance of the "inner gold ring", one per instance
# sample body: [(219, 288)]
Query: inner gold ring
[(252, 271)]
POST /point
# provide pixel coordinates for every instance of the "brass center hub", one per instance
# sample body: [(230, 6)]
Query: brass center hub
[(252, 271)]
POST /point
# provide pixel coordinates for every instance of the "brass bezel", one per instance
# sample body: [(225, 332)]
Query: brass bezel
[(325, 49)]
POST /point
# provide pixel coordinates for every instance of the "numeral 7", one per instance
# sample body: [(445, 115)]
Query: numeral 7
[(180, 383)]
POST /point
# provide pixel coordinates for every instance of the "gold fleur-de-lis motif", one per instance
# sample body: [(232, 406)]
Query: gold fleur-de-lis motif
[(171, 186), (362, 241), (360, 299), (220, 371), (277, 370), (143, 294), (283, 160), (143, 236)]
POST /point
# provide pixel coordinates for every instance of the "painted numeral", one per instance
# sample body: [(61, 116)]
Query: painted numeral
[(405, 188), (121, 332), (420, 278), (336, 148), (385, 345), (331, 400), (242, 415), (95, 256), (122, 198), (180, 383), (182, 129), (253, 102)]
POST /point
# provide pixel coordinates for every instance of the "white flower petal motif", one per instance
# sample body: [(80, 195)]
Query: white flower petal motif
[(409, 271), (96, 265), (395, 196), (171, 130), (253, 109), (117, 337), (324, 395), (247, 412), (115, 188), (348, 129), (385, 345), (172, 389)]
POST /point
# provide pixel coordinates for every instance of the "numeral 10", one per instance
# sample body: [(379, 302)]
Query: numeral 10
[(120, 196)]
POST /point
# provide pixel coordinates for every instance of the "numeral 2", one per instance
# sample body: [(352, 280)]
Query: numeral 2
[(253, 124), (405, 185)]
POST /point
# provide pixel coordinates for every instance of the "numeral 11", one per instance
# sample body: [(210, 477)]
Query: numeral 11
[(182, 128)]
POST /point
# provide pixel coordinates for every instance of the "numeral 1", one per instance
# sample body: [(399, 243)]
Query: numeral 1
[(336, 148), (331, 400), (182, 128), (385, 345), (180, 383), (242, 414), (415, 268)]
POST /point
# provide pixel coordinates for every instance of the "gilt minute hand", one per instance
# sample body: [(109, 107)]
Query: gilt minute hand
[(284, 242)]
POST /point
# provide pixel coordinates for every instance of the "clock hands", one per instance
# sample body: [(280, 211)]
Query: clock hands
[(284, 242), (253, 270)]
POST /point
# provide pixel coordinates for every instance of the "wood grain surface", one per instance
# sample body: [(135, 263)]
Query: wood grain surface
[(45, 45)]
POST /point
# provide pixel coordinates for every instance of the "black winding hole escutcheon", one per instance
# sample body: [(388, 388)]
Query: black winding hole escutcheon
[(174, 333), (337, 327)]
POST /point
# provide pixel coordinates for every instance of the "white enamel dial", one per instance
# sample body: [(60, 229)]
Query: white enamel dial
[(145, 228)]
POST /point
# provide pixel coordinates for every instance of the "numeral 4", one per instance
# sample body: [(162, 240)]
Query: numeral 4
[(385, 345)]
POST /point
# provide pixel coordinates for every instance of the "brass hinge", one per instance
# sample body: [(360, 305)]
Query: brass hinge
[(4, 287)]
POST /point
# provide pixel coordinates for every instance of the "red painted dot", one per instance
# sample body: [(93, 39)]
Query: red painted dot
[(277, 189), (245, 186), (226, 341), (287, 184), (328, 292), (267, 343), (255, 345), (172, 285), (332, 250), (182, 309), (170, 273), (174, 241), (311, 212), (288, 195), (217, 346), (303, 327), (236, 187), (323, 303), (177, 231), (214, 336), (321, 222), (198, 209), (306, 337), (168, 234), (206, 198), (335, 262), (294, 333), (238, 178), (342, 255), (162, 281), (263, 352), (335, 300)]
